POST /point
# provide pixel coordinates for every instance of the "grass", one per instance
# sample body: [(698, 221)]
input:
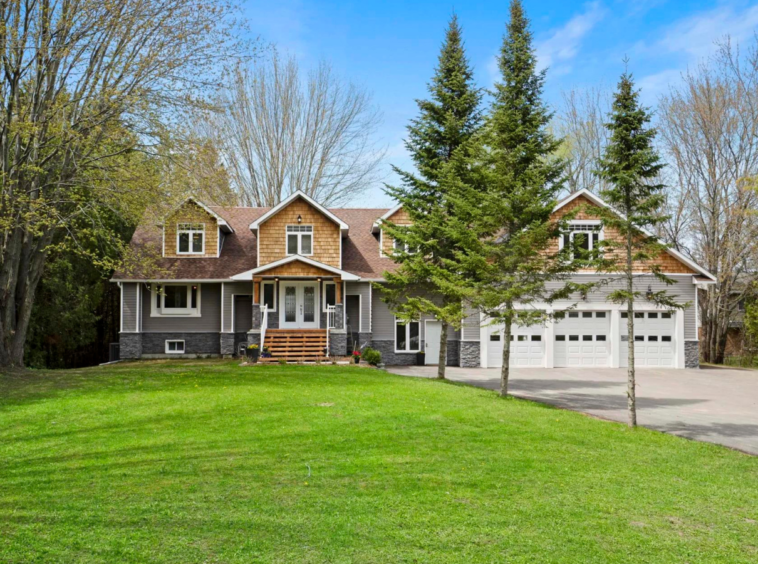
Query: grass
[(210, 462)]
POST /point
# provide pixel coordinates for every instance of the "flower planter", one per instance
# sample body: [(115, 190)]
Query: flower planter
[(357, 359), (253, 354), (420, 358)]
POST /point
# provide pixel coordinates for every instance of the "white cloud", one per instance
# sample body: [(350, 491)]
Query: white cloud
[(653, 85), (563, 43), (696, 35)]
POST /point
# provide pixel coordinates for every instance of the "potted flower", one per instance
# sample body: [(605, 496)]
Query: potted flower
[(253, 351), (266, 352), (357, 357)]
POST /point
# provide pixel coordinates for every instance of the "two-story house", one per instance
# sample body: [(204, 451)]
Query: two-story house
[(291, 274)]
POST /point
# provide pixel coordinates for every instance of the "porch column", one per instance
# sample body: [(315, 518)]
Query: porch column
[(338, 336)]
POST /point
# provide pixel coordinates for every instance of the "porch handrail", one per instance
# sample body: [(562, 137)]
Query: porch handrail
[(331, 313), (264, 324)]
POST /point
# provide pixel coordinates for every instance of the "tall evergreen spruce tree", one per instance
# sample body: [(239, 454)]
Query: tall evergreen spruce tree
[(514, 240), (424, 283), (631, 166)]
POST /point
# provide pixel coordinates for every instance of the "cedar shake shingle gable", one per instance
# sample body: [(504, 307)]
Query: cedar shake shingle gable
[(360, 249)]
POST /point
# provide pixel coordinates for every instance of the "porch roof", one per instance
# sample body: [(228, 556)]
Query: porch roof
[(248, 275)]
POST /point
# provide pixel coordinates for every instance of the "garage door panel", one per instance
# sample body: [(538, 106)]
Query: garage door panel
[(581, 339), (527, 347), (653, 339)]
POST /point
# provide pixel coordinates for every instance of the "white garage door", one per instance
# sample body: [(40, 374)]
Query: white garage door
[(654, 343), (582, 338), (527, 346)]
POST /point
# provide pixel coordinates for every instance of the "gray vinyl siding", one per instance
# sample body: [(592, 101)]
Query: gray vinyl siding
[(362, 289), (683, 291), (471, 325), (384, 322), (230, 289), (129, 313), (209, 321)]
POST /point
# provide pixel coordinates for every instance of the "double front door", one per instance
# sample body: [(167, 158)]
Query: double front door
[(298, 304)]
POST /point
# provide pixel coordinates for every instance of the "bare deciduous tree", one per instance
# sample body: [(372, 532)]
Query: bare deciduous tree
[(83, 81), (580, 122), (278, 135), (709, 126)]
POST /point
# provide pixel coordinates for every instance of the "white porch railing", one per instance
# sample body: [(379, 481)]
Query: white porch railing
[(264, 325), (331, 315)]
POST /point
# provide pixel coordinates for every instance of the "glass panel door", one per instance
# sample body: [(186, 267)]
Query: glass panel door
[(309, 304), (290, 304)]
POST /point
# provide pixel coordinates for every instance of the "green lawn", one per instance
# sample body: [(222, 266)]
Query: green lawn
[(211, 462)]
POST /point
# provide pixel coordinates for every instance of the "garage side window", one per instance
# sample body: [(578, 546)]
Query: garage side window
[(407, 336)]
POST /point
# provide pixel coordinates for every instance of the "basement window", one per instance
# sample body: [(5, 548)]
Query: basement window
[(174, 347)]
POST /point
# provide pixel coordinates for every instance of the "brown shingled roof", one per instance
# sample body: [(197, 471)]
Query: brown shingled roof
[(360, 249)]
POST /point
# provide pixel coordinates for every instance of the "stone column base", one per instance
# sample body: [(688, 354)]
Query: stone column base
[(337, 343), (470, 356), (226, 344), (130, 346), (691, 354)]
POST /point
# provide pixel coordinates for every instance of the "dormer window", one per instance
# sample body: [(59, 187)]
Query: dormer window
[(300, 240), (584, 235), (190, 238)]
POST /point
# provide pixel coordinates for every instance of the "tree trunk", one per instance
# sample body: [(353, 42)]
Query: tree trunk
[(443, 352), (631, 392), (505, 369)]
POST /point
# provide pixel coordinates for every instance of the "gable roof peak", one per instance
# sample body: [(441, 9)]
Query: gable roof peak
[(220, 220), (299, 194)]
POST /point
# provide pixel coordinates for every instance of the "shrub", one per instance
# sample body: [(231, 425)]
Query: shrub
[(372, 356)]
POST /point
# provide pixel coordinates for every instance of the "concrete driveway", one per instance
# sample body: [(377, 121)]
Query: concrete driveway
[(713, 405)]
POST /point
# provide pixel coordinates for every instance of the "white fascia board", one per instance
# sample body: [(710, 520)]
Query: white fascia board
[(377, 224), (284, 203), (596, 200), (248, 275)]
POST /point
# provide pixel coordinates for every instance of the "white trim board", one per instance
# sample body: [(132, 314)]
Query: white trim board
[(248, 275)]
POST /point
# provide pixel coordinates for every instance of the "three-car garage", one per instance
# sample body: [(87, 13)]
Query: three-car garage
[(587, 339)]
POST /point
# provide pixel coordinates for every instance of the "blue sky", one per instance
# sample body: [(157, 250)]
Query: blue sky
[(391, 47)]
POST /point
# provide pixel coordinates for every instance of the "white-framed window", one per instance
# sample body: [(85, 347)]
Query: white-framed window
[(330, 294), (174, 347), (584, 234), (407, 336), (268, 294), (175, 300), (399, 246), (190, 238), (300, 240)]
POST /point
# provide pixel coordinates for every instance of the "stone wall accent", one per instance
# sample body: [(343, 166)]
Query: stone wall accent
[(254, 338), (470, 354), (190, 212), (326, 234), (194, 343), (364, 340), (337, 343), (691, 354), (453, 353), (227, 342), (130, 346), (390, 357)]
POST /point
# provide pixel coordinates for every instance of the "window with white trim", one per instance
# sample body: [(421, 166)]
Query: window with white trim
[(176, 299), (407, 336), (190, 238), (268, 295), (174, 347), (300, 240), (330, 294), (585, 236)]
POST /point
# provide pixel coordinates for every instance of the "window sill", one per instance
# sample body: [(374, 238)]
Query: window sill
[(176, 314), (406, 352)]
